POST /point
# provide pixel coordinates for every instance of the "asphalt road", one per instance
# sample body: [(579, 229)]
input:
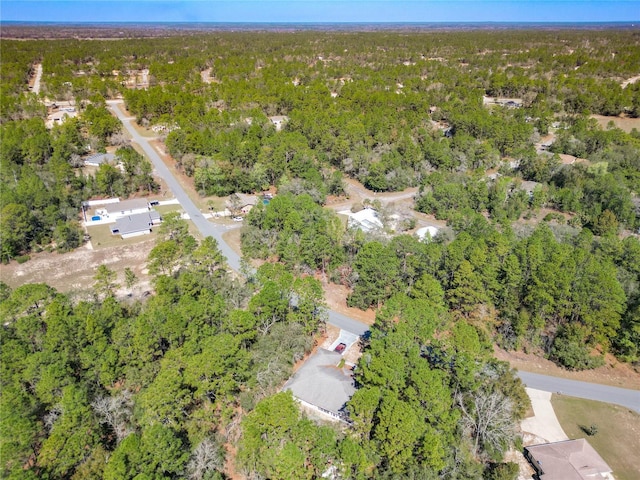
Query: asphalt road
[(591, 391), (205, 226)]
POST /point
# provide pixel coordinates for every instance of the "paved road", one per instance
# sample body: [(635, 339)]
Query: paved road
[(621, 396), (205, 226), (591, 391)]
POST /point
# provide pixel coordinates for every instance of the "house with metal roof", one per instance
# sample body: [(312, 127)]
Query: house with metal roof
[(98, 159), (366, 220), (135, 225), (126, 207)]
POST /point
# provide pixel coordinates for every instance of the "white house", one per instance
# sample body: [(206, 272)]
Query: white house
[(279, 121), (124, 208), (98, 159)]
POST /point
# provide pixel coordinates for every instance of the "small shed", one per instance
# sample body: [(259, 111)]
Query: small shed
[(135, 225)]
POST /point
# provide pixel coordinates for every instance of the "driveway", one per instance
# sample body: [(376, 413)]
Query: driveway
[(544, 426)]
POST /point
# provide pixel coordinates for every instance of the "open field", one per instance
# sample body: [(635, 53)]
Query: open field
[(618, 437), (623, 123), (74, 271)]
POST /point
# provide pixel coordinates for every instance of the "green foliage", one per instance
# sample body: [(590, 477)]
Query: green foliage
[(278, 443)]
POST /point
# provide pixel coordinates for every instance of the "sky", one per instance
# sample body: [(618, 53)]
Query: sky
[(293, 11)]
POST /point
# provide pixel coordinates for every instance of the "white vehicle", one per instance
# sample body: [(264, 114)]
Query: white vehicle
[(237, 219)]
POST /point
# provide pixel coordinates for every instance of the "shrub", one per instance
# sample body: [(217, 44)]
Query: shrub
[(23, 258)]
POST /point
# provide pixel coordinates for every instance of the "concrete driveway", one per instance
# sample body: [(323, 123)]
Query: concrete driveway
[(544, 426)]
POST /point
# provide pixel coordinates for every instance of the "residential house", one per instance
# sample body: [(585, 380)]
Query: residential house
[(135, 225), (240, 202), (124, 208), (426, 233), (98, 159), (320, 384), (279, 121), (567, 460)]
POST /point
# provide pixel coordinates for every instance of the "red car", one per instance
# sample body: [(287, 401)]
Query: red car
[(340, 348)]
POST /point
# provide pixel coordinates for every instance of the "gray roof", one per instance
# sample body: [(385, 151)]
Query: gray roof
[(135, 223), (321, 383), (568, 460), (100, 158), (126, 205)]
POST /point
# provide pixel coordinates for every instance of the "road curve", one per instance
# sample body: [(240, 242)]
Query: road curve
[(205, 226), (590, 391)]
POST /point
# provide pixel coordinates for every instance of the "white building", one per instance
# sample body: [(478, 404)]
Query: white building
[(426, 233), (366, 220)]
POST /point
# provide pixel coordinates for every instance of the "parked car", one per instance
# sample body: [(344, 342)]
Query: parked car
[(237, 219), (340, 348)]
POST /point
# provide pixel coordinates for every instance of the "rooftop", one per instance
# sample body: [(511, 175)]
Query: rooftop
[(366, 219), (126, 205), (567, 460), (321, 383), (100, 158), (135, 223)]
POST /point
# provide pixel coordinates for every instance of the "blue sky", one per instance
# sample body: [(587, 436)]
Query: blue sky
[(320, 11)]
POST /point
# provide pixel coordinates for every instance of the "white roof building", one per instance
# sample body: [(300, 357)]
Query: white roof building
[(98, 159), (426, 233), (366, 220), (126, 207)]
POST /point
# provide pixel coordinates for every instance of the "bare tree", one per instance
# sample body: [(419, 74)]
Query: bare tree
[(488, 418), (208, 456), (116, 412)]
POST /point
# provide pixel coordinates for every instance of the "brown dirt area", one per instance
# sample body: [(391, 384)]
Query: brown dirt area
[(623, 123), (613, 373), (74, 271), (336, 297)]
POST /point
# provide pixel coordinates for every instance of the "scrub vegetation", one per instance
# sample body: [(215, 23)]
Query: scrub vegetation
[(186, 382)]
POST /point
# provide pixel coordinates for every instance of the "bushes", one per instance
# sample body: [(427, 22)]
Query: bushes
[(571, 349)]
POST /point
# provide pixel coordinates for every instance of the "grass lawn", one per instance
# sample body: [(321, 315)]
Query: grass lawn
[(618, 437)]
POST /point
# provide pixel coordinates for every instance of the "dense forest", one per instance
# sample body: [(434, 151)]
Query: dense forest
[(538, 254), (95, 387)]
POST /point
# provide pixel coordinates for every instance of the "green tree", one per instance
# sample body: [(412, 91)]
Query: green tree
[(105, 281)]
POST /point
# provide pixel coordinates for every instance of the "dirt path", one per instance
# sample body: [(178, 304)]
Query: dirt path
[(629, 81), (35, 87)]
